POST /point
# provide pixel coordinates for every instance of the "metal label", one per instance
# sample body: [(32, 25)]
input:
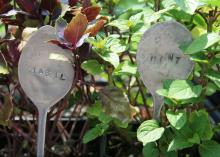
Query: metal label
[(159, 57), (44, 79), (46, 74)]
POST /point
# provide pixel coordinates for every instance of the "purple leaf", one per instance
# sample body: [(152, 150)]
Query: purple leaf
[(60, 25), (82, 39)]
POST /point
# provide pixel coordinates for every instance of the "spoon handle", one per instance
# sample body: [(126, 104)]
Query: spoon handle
[(41, 131), (158, 104)]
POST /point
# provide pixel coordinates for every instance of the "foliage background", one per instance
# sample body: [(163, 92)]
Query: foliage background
[(108, 101)]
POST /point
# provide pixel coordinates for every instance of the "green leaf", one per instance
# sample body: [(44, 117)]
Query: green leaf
[(211, 88), (202, 42), (171, 154), (150, 150), (112, 58), (189, 6), (209, 149), (215, 77), (200, 123), (195, 139), (180, 90), (3, 70), (126, 67), (122, 6), (179, 143), (177, 119), (99, 130), (119, 123), (121, 24), (212, 2), (104, 118), (92, 67), (2, 30), (95, 109), (118, 47), (149, 131)]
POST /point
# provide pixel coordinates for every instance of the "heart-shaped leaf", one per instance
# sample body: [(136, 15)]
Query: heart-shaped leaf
[(177, 119), (149, 131)]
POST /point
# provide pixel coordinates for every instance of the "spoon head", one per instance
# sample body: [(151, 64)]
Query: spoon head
[(159, 56), (45, 70)]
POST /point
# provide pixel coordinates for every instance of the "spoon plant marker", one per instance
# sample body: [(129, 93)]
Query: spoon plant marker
[(159, 58), (46, 74)]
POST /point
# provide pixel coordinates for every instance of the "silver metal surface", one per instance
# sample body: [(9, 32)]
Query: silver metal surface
[(159, 57), (46, 74)]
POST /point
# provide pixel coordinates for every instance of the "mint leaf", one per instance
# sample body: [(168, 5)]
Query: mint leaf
[(92, 67), (209, 149), (149, 131), (202, 42), (177, 119)]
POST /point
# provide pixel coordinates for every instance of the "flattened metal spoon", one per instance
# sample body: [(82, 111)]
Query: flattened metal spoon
[(159, 57), (46, 74)]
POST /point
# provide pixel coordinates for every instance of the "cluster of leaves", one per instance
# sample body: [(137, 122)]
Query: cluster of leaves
[(103, 37), (187, 124)]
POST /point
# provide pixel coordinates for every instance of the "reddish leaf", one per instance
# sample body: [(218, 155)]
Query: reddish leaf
[(91, 12), (5, 8), (86, 3), (13, 51), (73, 2), (58, 43), (27, 5), (50, 5), (75, 29), (96, 28), (10, 21), (3, 2)]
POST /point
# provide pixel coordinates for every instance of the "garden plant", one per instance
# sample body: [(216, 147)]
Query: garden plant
[(108, 111)]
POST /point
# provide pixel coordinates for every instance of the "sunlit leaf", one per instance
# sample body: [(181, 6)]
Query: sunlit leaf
[(112, 58), (94, 29), (202, 42), (176, 119), (75, 29), (126, 67), (215, 77), (188, 6), (180, 90), (3, 69), (92, 67), (179, 143), (82, 40), (91, 12), (212, 2), (149, 131)]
